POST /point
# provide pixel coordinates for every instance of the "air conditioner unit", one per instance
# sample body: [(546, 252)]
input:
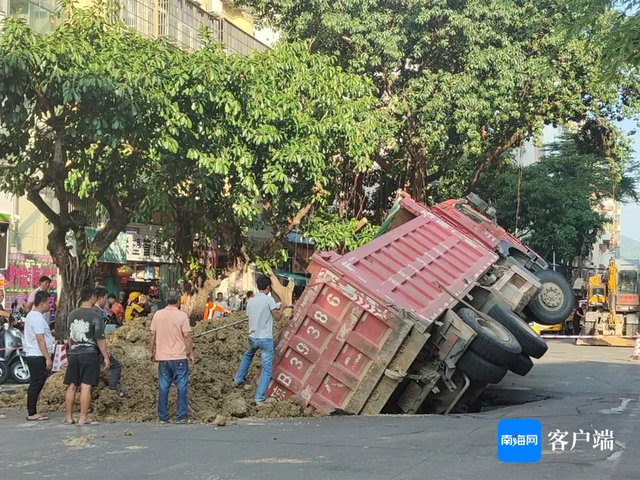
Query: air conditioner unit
[(215, 7)]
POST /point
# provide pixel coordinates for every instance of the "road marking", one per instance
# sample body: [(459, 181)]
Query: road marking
[(616, 410), (277, 460), (500, 387)]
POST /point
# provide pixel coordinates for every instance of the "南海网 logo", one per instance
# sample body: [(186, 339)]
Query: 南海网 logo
[(519, 440)]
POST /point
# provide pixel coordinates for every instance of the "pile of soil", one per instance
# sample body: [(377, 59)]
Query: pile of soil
[(213, 396)]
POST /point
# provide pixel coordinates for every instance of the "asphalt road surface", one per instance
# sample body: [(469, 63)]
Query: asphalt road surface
[(571, 388)]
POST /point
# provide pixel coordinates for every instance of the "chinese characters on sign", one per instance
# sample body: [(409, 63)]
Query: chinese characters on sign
[(600, 440), (145, 248), (24, 272)]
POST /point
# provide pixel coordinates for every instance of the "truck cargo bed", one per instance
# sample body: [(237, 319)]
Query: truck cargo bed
[(358, 311)]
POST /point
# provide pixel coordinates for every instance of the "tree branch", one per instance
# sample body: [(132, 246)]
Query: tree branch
[(491, 156), (283, 232), (33, 195)]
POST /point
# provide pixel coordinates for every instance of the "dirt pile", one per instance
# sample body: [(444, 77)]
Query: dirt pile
[(213, 397)]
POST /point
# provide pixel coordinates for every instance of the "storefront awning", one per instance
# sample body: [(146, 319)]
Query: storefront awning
[(298, 280), (116, 252)]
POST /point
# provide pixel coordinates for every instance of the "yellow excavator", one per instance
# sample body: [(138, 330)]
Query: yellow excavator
[(612, 305)]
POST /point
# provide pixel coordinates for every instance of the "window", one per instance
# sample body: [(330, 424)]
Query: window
[(40, 16), (627, 282), (472, 215)]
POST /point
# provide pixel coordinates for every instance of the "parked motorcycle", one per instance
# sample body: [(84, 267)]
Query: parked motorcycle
[(12, 356)]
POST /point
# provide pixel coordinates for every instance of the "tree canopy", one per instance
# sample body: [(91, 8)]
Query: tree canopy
[(465, 81), (118, 125), (556, 204), (622, 35)]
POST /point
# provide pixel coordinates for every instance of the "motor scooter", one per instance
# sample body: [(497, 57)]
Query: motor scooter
[(12, 356)]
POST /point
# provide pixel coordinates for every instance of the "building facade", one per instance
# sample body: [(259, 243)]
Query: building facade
[(179, 21)]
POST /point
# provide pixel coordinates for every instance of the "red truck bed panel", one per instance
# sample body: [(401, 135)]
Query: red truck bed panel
[(401, 268), (349, 322)]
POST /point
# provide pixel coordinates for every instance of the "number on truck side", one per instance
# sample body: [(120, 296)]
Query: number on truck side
[(321, 317), (296, 363), (333, 300), (314, 332)]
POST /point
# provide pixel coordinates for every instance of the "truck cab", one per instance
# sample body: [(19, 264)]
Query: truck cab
[(475, 219)]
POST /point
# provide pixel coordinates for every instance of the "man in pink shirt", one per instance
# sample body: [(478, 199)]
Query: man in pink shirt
[(170, 344)]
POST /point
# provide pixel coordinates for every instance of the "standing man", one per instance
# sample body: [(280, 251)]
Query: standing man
[(38, 345), (170, 344), (85, 331), (43, 286), (261, 310), (578, 319), (115, 369)]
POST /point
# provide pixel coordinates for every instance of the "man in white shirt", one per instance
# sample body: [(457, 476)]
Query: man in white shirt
[(43, 286), (261, 310), (38, 345), (221, 303)]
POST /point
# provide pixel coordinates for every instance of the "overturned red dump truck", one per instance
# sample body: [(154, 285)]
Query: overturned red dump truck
[(417, 320)]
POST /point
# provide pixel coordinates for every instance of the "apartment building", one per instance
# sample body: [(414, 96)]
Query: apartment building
[(180, 21)]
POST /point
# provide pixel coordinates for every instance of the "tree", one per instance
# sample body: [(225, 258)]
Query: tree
[(556, 204), (623, 32), (329, 231), (273, 131), (84, 113), (466, 81)]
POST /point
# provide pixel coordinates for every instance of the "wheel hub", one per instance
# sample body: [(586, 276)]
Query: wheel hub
[(21, 372), (551, 296)]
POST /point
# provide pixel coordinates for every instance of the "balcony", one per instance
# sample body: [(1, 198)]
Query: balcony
[(181, 21)]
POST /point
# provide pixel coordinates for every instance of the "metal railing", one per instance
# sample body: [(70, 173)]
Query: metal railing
[(182, 21)]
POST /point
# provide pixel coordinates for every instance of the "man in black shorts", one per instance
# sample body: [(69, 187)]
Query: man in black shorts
[(85, 331)]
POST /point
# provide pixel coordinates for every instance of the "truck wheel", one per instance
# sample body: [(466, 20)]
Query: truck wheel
[(531, 343), (493, 341), (4, 372), (554, 303), (481, 369), (521, 365)]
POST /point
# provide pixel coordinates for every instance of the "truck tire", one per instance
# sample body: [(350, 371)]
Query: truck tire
[(531, 343), (554, 303), (521, 365), (492, 342), (481, 369)]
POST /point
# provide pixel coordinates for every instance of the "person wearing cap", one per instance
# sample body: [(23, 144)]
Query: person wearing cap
[(134, 309), (171, 346)]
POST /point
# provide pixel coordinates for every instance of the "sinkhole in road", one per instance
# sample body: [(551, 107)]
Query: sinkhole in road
[(498, 396)]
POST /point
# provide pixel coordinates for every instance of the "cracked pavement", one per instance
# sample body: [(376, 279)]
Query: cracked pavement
[(571, 388)]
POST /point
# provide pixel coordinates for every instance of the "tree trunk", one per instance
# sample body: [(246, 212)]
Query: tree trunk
[(74, 273), (283, 294)]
